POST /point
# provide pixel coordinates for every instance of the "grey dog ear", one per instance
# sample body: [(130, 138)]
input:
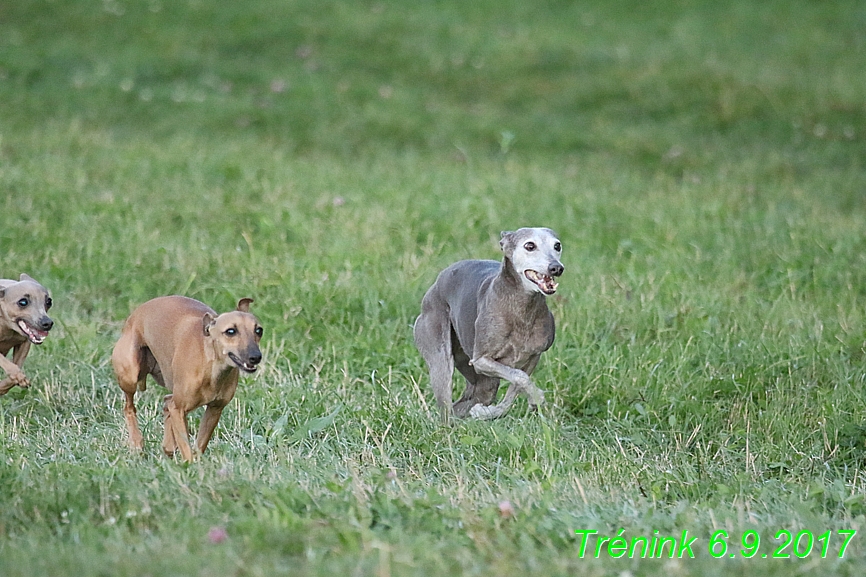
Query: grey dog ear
[(207, 321), (506, 241), (24, 277), (244, 304)]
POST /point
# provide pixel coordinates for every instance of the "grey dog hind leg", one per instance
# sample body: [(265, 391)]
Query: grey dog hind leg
[(433, 339), (491, 322)]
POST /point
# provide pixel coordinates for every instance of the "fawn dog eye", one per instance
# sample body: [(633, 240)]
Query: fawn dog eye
[(23, 302), (259, 331), (231, 332)]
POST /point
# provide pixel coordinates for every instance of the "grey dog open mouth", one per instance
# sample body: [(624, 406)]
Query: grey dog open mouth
[(36, 336), (545, 283), (246, 367)]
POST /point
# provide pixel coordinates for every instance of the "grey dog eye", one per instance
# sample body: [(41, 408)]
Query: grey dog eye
[(23, 303), (557, 247), (529, 246)]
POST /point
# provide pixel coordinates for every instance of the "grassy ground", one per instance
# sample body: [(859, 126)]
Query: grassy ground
[(703, 163)]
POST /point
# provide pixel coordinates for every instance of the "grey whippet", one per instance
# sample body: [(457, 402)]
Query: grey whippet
[(194, 353), (24, 321), (491, 321)]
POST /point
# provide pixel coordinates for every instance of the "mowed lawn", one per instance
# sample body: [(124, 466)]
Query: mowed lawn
[(704, 164)]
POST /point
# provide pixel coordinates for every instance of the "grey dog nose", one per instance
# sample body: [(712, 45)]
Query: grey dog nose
[(45, 324), (555, 269)]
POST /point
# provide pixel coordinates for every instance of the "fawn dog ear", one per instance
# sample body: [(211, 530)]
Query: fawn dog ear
[(207, 321), (244, 304)]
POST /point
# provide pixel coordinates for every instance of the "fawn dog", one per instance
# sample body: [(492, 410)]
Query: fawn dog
[(24, 320), (194, 353)]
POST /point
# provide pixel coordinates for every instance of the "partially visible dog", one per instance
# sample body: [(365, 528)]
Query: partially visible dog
[(24, 321), (491, 321), (194, 353)]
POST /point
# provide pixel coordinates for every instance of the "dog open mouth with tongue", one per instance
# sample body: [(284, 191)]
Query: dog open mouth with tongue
[(35, 335), (545, 283)]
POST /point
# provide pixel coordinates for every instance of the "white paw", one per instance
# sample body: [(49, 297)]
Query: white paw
[(483, 413), (536, 397)]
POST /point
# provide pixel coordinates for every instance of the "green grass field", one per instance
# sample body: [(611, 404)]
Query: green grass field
[(704, 164)]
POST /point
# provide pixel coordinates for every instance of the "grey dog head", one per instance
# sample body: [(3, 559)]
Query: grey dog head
[(534, 253)]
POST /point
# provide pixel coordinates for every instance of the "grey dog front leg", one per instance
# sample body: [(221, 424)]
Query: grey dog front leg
[(519, 383)]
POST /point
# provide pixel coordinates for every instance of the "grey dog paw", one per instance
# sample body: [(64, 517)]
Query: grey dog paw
[(485, 413), (536, 398)]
